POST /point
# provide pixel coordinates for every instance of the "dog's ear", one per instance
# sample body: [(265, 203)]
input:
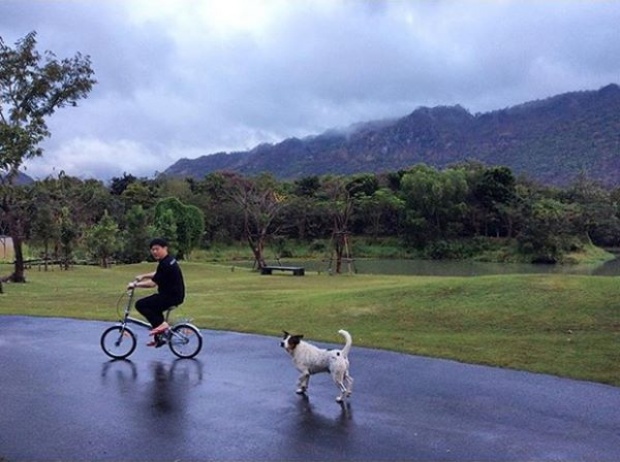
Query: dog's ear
[(286, 334), (300, 336)]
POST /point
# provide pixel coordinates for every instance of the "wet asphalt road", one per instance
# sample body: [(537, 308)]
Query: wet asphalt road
[(61, 398)]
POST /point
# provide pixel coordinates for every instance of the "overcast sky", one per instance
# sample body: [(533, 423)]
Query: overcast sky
[(185, 78)]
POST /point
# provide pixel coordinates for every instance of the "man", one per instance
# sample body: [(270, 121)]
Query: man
[(168, 279)]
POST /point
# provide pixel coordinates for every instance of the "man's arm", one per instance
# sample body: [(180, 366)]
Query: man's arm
[(143, 280), (141, 277)]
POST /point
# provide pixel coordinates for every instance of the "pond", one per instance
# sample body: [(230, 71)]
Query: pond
[(450, 268)]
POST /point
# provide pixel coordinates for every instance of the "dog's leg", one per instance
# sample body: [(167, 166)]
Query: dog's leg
[(349, 383), (343, 393), (302, 382), (339, 378)]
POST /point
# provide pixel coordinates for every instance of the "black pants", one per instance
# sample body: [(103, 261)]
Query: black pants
[(153, 307)]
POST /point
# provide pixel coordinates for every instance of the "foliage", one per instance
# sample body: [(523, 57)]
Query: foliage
[(136, 235), (102, 239), (549, 231), (261, 202), (467, 211), (183, 224), (435, 203), (32, 88)]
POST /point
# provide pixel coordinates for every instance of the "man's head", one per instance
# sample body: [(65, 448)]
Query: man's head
[(159, 248)]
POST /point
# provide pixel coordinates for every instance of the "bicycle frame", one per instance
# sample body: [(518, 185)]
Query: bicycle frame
[(129, 319)]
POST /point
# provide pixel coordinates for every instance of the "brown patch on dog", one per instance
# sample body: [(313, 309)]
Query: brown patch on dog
[(294, 341), (289, 341)]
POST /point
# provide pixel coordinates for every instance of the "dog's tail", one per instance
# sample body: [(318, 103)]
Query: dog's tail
[(348, 342)]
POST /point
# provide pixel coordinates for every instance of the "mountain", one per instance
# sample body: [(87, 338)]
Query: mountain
[(21, 179), (551, 140)]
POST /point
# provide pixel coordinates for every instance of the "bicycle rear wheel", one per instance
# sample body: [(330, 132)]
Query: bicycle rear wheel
[(185, 340), (118, 342)]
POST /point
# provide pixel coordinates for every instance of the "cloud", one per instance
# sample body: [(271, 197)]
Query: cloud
[(93, 158), (182, 79)]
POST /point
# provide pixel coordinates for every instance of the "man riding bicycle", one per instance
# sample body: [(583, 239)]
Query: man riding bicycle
[(168, 278)]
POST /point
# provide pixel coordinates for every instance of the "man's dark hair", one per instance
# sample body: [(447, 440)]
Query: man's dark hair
[(160, 241)]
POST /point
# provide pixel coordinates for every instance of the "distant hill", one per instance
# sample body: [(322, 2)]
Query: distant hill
[(550, 140), (22, 179)]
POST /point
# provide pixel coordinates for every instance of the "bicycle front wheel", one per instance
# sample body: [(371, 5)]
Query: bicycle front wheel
[(118, 342), (185, 340)]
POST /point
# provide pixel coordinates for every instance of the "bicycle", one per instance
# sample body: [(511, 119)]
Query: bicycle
[(119, 341)]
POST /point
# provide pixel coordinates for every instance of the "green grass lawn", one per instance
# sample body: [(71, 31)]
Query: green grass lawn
[(557, 324)]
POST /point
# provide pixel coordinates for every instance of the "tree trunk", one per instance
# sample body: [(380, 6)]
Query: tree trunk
[(46, 254), (257, 250), (18, 271), (338, 258)]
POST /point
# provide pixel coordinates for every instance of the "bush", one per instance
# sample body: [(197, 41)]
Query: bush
[(317, 245)]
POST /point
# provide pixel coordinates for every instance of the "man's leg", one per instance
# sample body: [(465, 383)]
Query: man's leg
[(151, 308)]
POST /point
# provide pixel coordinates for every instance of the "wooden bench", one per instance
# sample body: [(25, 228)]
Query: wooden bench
[(296, 270)]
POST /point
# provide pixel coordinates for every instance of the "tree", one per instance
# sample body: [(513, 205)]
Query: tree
[(549, 231), (435, 203), (223, 219), (68, 236), (189, 223), (495, 194), (598, 220), (118, 185), (138, 193), (165, 226), (339, 206), (32, 88), (383, 203), (102, 239), (136, 235), (262, 203), (44, 227)]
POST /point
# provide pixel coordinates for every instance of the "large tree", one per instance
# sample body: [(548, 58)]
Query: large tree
[(32, 87), (338, 204), (262, 202)]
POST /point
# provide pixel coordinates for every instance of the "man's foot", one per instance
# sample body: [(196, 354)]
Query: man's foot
[(157, 341), (160, 329)]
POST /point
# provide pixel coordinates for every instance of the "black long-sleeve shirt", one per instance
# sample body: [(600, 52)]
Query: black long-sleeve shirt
[(169, 279)]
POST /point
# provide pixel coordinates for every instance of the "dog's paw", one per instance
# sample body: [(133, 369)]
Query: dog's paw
[(339, 399), (300, 391)]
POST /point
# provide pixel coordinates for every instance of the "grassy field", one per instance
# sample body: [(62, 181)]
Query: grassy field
[(557, 324)]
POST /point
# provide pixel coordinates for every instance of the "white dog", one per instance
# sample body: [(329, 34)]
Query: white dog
[(309, 359)]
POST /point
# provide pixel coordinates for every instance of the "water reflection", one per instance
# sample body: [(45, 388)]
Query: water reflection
[(315, 433), (122, 372), (169, 388), (309, 418), (162, 391), (609, 268)]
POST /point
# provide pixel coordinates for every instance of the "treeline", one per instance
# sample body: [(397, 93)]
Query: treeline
[(451, 213)]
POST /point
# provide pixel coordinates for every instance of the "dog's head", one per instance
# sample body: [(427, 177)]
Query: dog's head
[(289, 342)]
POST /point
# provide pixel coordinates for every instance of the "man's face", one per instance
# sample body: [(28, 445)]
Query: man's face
[(159, 252)]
